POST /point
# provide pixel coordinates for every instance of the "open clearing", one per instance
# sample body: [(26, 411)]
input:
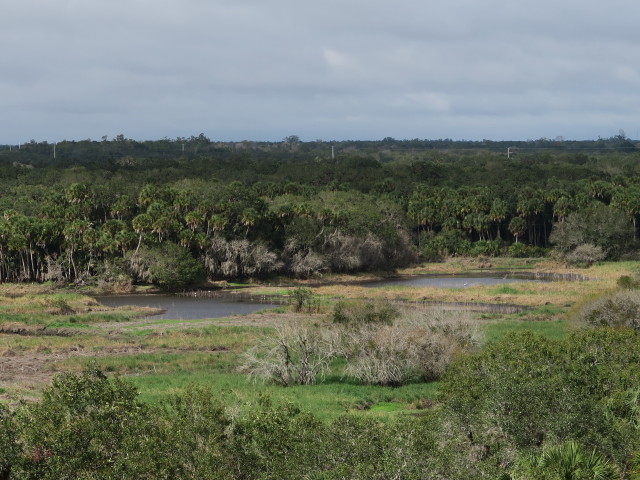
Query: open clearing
[(48, 331)]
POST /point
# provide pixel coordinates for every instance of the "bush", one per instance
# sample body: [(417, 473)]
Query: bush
[(487, 248), (295, 355), (9, 447), (520, 250), (600, 226), (447, 242), (527, 391), (615, 310), (585, 255), (417, 347), (628, 283), (303, 298), (168, 266), (112, 276), (239, 259), (364, 311), (86, 426)]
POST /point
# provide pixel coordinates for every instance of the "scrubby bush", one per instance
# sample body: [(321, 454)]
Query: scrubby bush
[(86, 426), (585, 255), (303, 298), (239, 259), (527, 391), (628, 283), (346, 253), (9, 448), (521, 250), (615, 310), (600, 226), (296, 354), (112, 276), (381, 346), (362, 311), (418, 346)]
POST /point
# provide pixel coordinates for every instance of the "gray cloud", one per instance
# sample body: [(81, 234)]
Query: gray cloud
[(249, 69)]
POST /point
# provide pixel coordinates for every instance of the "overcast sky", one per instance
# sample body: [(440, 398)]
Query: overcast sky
[(327, 69)]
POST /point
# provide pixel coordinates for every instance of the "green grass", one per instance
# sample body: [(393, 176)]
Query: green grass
[(326, 400), (549, 328)]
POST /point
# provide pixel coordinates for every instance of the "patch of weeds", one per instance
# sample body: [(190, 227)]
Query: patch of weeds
[(505, 289), (386, 407), (71, 324), (361, 405), (423, 404)]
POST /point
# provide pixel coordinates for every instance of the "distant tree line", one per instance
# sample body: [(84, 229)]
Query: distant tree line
[(251, 209)]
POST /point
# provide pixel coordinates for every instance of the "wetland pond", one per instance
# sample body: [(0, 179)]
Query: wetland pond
[(221, 304), (179, 307)]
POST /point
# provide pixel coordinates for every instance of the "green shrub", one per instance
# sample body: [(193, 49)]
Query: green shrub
[(628, 283), (303, 298), (9, 446), (520, 250), (527, 391), (86, 426), (168, 266), (488, 248)]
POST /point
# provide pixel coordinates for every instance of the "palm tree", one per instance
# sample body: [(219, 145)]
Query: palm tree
[(568, 461)]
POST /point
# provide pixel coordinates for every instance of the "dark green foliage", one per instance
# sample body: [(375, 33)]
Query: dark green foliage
[(275, 442), (10, 450), (255, 209), (599, 226), (167, 266), (195, 432), (86, 426), (527, 391)]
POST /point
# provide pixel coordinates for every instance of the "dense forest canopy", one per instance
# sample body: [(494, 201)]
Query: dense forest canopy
[(76, 209)]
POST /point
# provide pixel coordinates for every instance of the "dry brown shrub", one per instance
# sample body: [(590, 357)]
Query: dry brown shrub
[(297, 354), (417, 347)]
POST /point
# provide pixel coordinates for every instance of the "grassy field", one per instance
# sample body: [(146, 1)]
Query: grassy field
[(44, 331)]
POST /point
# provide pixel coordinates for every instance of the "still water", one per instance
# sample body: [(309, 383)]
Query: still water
[(184, 308), (194, 308), (468, 280)]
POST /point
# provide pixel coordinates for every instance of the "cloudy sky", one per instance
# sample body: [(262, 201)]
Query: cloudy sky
[(328, 69)]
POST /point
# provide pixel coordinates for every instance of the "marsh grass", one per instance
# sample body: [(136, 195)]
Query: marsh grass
[(165, 361)]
